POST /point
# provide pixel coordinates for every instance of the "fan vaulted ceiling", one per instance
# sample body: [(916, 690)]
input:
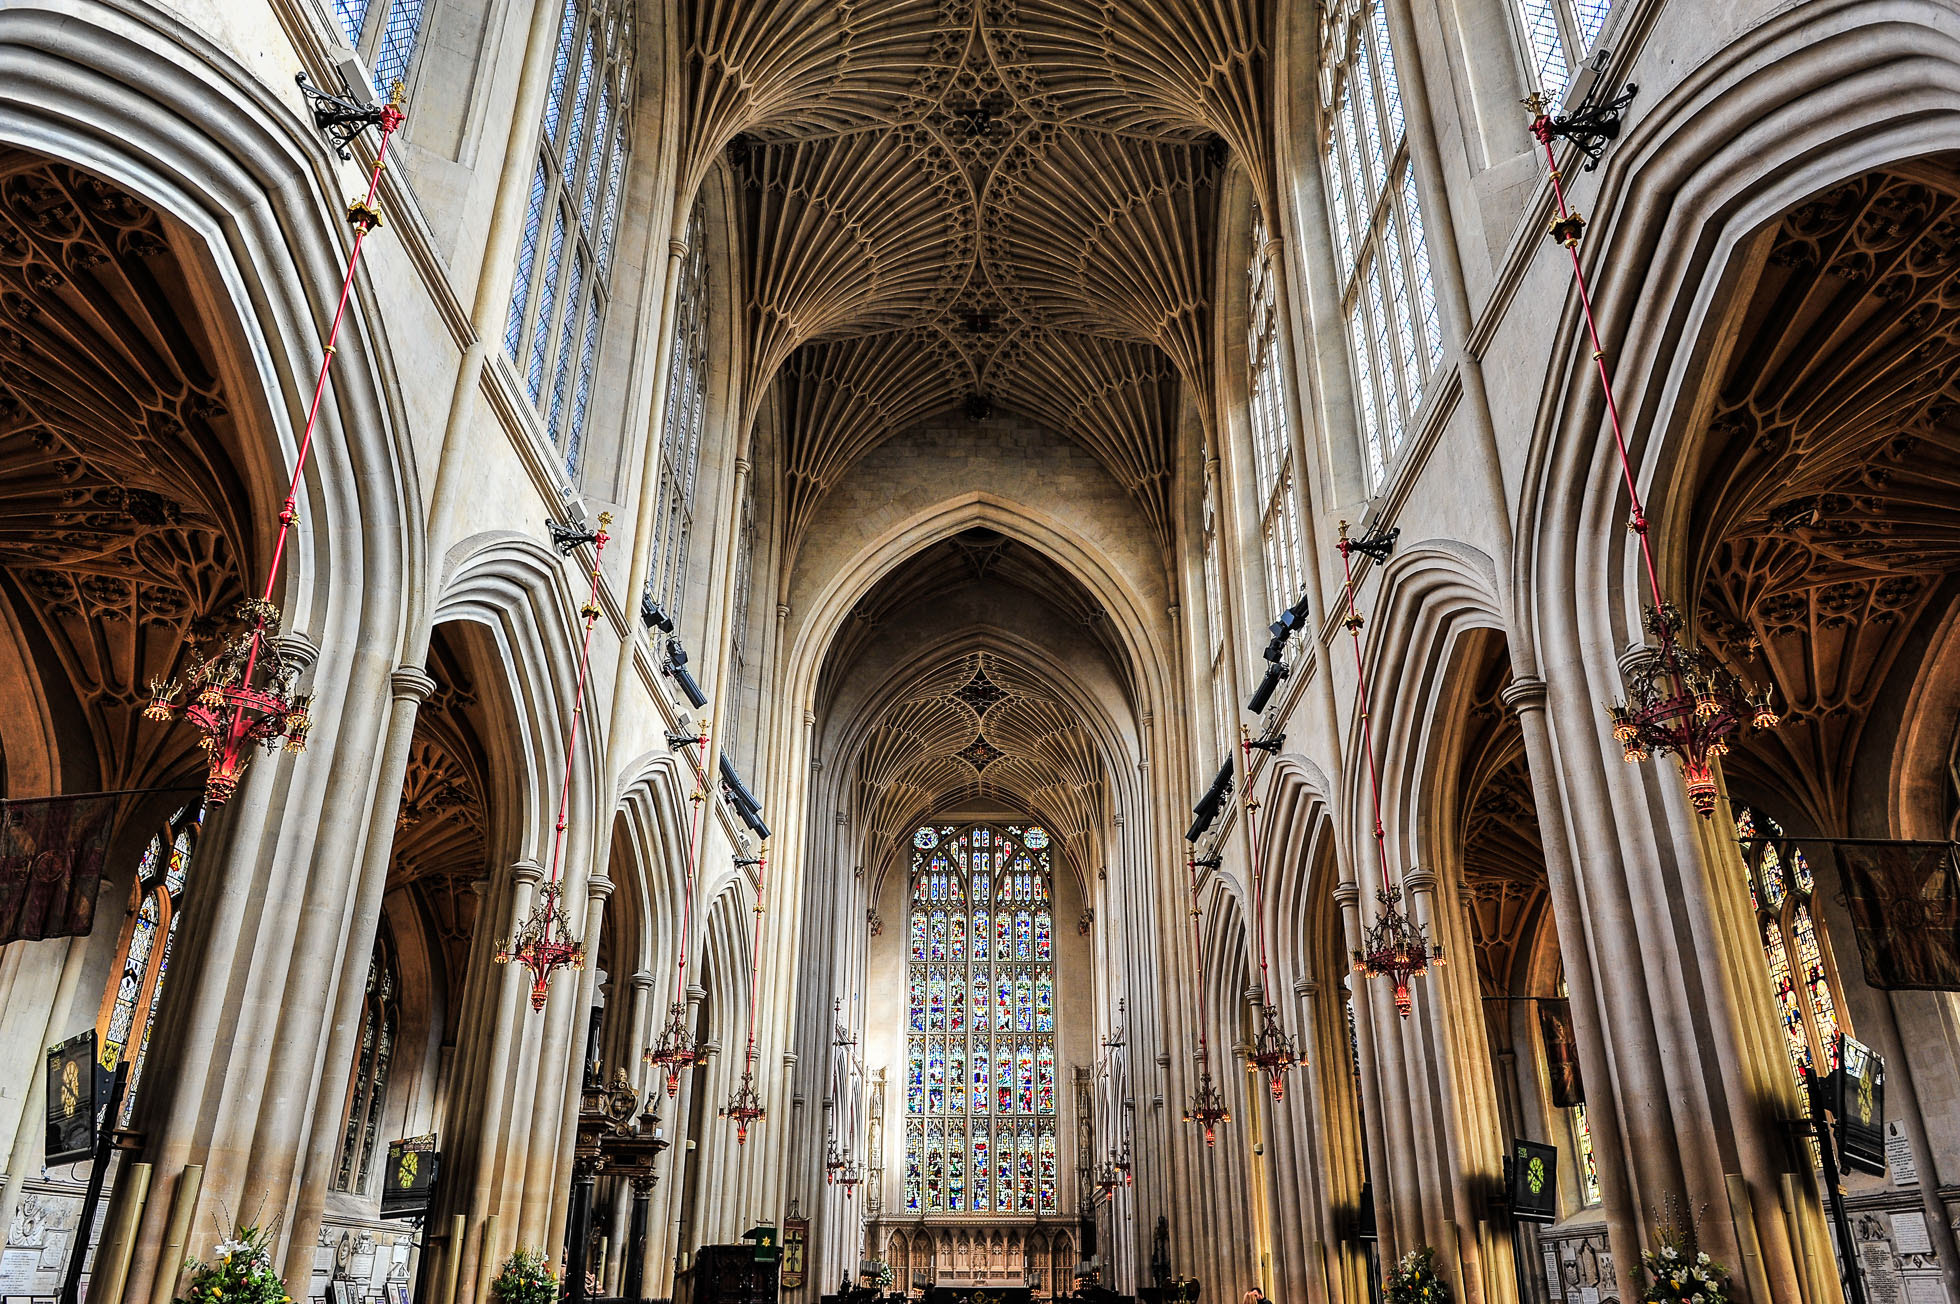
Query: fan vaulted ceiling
[(949, 204)]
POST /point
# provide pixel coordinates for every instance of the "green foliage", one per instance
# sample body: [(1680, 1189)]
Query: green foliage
[(525, 1279), (1415, 1280), (240, 1272), (882, 1275)]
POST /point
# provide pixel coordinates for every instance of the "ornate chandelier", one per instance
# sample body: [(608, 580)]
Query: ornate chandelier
[(543, 940), (1207, 1108), (1272, 1051), (1681, 699), (241, 696), (1395, 946), (544, 943), (675, 1049), (745, 1106), (1114, 1173)]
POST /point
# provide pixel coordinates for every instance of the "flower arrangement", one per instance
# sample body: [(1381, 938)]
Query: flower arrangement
[(1415, 1280), (525, 1278), (881, 1274), (1679, 1273), (240, 1272)]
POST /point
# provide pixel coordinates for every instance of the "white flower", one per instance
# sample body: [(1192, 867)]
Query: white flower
[(1668, 1252)]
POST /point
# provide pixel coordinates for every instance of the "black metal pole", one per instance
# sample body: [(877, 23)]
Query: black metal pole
[(636, 1240), (578, 1233), (1854, 1277), (105, 1135)]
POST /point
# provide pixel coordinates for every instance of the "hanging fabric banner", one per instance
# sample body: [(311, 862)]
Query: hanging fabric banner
[(1561, 1052), (1904, 899), (51, 854)]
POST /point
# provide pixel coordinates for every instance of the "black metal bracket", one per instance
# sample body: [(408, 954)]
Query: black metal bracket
[(1377, 544), (1591, 126), (1211, 861), (1270, 744), (338, 117), (747, 862), (568, 539), (676, 741)]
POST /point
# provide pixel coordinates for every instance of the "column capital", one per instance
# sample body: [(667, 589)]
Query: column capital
[(411, 684), (598, 887), (1526, 694), (1419, 880), (1305, 987), (696, 993), (527, 871), (1346, 894), (298, 648), (677, 248), (642, 980)]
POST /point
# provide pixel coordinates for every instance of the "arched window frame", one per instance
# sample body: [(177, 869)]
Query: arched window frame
[(562, 287), (385, 34), (1803, 973), (1388, 298), (1221, 691), (367, 1087), (682, 426), (1556, 36), (962, 1157), (1272, 443), (149, 935)]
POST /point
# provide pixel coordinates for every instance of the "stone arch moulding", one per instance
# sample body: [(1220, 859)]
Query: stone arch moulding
[(518, 590), (832, 599), (1300, 854), (654, 804), (242, 172), (1818, 94)]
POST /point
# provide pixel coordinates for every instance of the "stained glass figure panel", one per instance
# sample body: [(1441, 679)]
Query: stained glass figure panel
[(982, 1072)]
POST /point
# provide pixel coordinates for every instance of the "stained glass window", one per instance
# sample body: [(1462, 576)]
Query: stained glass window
[(1802, 974), (367, 1093), (681, 426), (384, 33), (982, 1072), (1558, 34), (1387, 294), (1272, 446), (561, 289), (1582, 1141), (129, 1008)]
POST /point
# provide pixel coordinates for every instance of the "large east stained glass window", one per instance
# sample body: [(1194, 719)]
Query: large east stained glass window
[(559, 295), (1388, 298), (1802, 975), (980, 1072), (149, 935)]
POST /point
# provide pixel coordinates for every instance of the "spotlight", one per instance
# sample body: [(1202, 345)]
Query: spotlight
[(1207, 808), (1289, 620), (746, 806), (674, 666), (654, 616), (1276, 673)]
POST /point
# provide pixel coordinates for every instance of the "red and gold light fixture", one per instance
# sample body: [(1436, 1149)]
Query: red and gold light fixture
[(543, 941), (1207, 1106), (1395, 946), (1272, 1051), (1681, 699), (745, 1108), (674, 1050), (242, 696)]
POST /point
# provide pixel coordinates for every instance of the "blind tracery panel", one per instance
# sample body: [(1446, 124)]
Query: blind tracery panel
[(1272, 447), (1221, 693), (980, 1043), (682, 426), (1387, 295), (564, 257)]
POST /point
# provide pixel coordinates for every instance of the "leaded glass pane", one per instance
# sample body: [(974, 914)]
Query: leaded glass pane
[(982, 1075), (397, 44), (527, 253)]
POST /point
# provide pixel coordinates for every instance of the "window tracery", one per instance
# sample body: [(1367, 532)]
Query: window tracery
[(368, 1090), (1802, 973), (1221, 691), (682, 425), (561, 290), (1272, 446), (129, 1009), (980, 1031), (1557, 36), (1388, 298), (384, 33)]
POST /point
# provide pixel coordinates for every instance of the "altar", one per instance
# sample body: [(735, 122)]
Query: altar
[(945, 1293)]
